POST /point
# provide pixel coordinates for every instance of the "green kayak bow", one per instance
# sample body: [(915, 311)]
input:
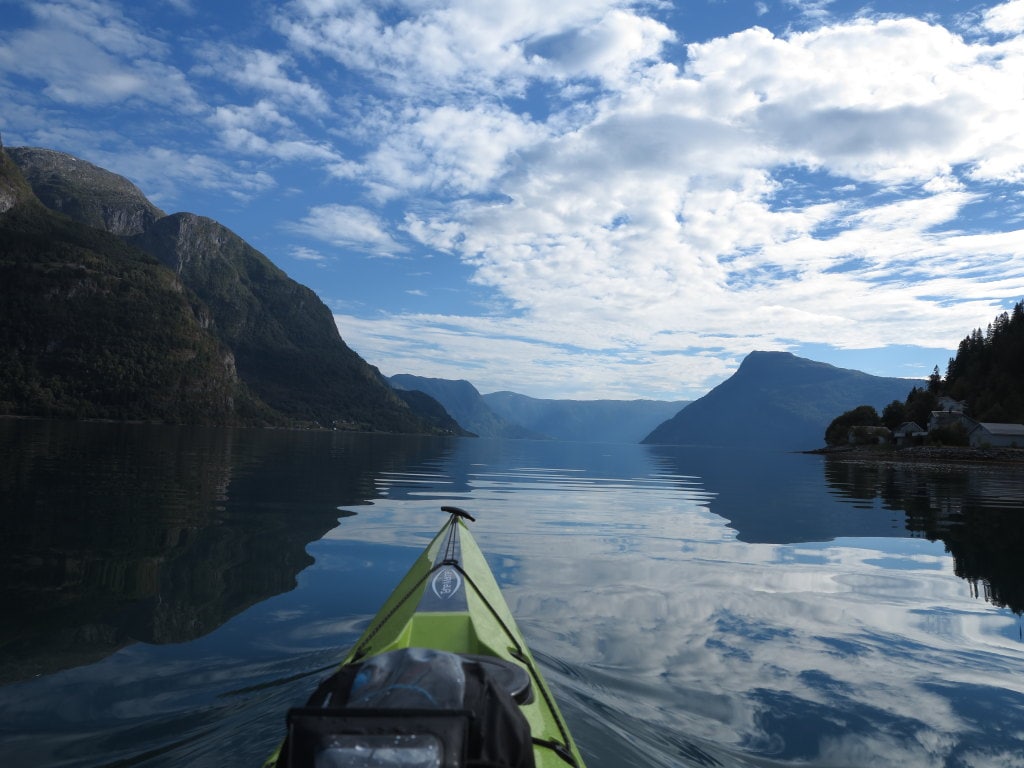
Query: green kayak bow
[(442, 677)]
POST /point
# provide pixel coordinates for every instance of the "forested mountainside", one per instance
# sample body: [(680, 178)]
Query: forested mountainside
[(286, 345), (776, 400), (431, 411), (114, 261)]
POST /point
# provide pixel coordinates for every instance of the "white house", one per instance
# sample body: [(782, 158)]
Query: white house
[(997, 435), (950, 405), (909, 433), (940, 419)]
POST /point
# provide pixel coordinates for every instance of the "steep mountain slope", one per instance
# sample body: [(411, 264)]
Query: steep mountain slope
[(93, 328), (282, 337), (462, 400), (286, 345), (777, 400), (586, 421)]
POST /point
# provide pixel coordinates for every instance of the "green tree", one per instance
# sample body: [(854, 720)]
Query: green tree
[(861, 416), (988, 369), (951, 434), (894, 414), (920, 404)]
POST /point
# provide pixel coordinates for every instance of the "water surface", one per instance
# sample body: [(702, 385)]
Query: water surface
[(173, 591)]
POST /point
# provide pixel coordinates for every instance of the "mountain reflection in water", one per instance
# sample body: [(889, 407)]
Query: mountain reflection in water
[(688, 606), (116, 533)]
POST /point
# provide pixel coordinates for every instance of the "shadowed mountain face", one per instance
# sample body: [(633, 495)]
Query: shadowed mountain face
[(431, 411), (92, 328), (777, 400), (14, 189), (277, 334)]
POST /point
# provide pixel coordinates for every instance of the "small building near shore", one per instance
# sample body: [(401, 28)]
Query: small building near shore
[(909, 433), (944, 419), (987, 434), (950, 405)]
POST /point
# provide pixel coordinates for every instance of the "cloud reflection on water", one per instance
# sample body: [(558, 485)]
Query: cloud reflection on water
[(657, 620)]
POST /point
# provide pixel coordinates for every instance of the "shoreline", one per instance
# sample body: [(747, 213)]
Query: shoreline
[(915, 454)]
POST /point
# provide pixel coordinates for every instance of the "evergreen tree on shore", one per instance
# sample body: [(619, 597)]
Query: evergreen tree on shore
[(988, 369)]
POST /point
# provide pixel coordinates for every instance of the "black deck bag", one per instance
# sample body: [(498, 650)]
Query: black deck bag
[(414, 708)]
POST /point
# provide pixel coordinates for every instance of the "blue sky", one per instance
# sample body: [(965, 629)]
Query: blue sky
[(587, 198)]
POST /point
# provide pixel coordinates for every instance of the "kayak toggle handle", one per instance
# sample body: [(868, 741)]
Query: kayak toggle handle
[(459, 513)]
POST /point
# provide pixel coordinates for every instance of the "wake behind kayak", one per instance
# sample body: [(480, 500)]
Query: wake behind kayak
[(441, 678)]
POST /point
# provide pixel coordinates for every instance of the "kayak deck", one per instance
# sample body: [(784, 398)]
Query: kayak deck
[(450, 601)]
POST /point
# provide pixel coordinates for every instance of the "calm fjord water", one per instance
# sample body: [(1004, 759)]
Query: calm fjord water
[(168, 593)]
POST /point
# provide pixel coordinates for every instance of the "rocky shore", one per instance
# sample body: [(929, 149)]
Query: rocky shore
[(931, 454)]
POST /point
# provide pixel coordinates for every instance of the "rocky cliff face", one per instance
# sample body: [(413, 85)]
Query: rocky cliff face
[(189, 243), (85, 192), (286, 345)]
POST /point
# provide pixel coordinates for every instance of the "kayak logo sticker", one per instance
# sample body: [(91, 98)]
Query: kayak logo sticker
[(446, 583)]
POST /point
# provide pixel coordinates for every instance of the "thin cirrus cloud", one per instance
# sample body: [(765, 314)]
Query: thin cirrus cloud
[(349, 226), (612, 202), (265, 72)]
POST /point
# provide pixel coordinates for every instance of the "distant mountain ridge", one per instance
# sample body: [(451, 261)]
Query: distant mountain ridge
[(464, 402), (777, 400), (429, 409), (584, 421), (512, 415), (273, 338)]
